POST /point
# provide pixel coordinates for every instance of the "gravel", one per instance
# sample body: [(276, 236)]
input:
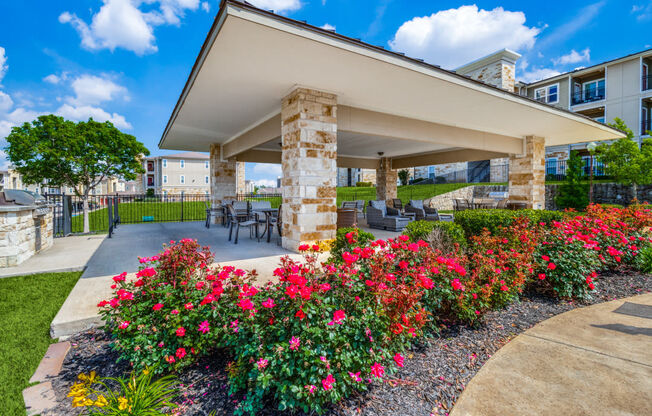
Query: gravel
[(435, 373)]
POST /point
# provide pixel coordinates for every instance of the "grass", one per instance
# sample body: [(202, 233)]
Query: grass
[(133, 212), (27, 306)]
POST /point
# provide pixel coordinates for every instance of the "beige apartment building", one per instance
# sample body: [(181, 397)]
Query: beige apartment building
[(621, 88), (186, 172)]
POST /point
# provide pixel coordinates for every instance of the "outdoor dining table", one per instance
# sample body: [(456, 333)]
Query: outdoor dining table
[(268, 221), (483, 203)]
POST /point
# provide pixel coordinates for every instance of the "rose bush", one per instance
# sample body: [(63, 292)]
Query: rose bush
[(321, 332)]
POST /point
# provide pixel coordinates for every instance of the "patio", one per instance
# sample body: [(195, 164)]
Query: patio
[(319, 105)]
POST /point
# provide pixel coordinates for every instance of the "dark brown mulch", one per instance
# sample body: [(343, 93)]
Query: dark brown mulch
[(434, 375)]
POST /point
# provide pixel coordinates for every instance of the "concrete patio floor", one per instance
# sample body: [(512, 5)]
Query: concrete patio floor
[(589, 361), (69, 254)]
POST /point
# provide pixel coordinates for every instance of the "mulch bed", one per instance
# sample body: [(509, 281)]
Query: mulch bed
[(434, 375)]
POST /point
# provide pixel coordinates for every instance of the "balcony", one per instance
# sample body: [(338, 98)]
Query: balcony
[(646, 82), (588, 95), (646, 126)]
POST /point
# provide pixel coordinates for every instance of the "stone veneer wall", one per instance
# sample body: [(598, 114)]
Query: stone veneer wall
[(527, 174), (18, 233), (445, 201), (240, 180), (309, 134), (386, 178), (605, 193), (222, 177)]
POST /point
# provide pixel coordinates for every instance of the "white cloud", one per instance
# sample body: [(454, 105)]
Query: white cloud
[(91, 89), (642, 12), (278, 6), (205, 6), (268, 169), (573, 57), (454, 37), (5, 102), (84, 112), (52, 79), (3, 63), (122, 24), (4, 162), (536, 74), (268, 183), (328, 26)]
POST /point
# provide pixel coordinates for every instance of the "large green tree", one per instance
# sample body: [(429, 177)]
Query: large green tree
[(78, 155), (625, 161)]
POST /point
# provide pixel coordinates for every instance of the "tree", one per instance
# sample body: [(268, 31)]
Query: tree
[(404, 176), (625, 161), (573, 193), (78, 155)]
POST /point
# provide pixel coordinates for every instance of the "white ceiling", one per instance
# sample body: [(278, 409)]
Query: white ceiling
[(256, 60)]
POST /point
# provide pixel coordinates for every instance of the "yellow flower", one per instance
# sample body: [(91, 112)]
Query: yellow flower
[(92, 377), (122, 403), (78, 390), (101, 401), (81, 401), (146, 371)]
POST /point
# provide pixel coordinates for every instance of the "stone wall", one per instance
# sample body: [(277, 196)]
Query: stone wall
[(240, 179), (309, 156), (445, 201), (605, 193), (18, 234), (386, 178), (527, 174), (222, 178)]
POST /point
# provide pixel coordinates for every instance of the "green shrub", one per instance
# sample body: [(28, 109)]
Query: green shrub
[(347, 239), (364, 184), (449, 233), (573, 193), (644, 260), (474, 221)]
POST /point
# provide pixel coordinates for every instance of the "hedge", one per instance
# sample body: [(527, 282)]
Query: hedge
[(474, 221), (420, 230)]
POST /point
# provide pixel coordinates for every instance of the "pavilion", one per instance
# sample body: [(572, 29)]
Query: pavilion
[(269, 89)]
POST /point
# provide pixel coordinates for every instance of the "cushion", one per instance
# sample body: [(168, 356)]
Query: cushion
[(379, 205), (416, 203)]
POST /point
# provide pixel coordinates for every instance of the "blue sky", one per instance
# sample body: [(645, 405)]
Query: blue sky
[(127, 60)]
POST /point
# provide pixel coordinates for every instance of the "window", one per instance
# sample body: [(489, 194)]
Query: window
[(548, 95), (431, 172), (182, 179), (165, 163), (645, 121), (206, 179), (165, 178), (206, 164), (593, 90), (551, 166), (182, 163)]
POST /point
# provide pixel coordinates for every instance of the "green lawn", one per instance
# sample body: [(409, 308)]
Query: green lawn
[(27, 306), (133, 212)]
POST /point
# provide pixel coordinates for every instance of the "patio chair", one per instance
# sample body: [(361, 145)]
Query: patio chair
[(398, 204), (382, 217), (422, 212), (279, 223), (461, 204), (502, 204), (237, 220), (350, 205), (359, 205)]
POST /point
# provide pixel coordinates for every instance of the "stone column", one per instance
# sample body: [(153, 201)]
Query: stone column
[(223, 177), (386, 178), (527, 179), (309, 154), (240, 182)]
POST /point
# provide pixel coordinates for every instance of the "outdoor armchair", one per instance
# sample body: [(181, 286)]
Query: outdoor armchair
[(380, 216), (237, 220), (421, 211)]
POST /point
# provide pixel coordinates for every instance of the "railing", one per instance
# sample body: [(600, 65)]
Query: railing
[(105, 212), (646, 126), (646, 82), (588, 95), (274, 199), (556, 169)]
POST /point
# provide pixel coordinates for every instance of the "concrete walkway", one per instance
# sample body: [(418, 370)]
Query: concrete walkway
[(67, 254), (590, 361)]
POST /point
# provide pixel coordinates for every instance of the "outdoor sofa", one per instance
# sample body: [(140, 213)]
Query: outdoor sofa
[(382, 217)]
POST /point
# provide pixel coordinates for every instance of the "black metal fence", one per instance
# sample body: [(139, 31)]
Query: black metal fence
[(556, 169), (106, 212)]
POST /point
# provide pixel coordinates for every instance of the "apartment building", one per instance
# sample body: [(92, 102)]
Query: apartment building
[(186, 172), (621, 88), (351, 176)]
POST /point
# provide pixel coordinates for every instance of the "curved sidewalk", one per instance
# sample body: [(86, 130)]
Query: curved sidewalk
[(595, 360)]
